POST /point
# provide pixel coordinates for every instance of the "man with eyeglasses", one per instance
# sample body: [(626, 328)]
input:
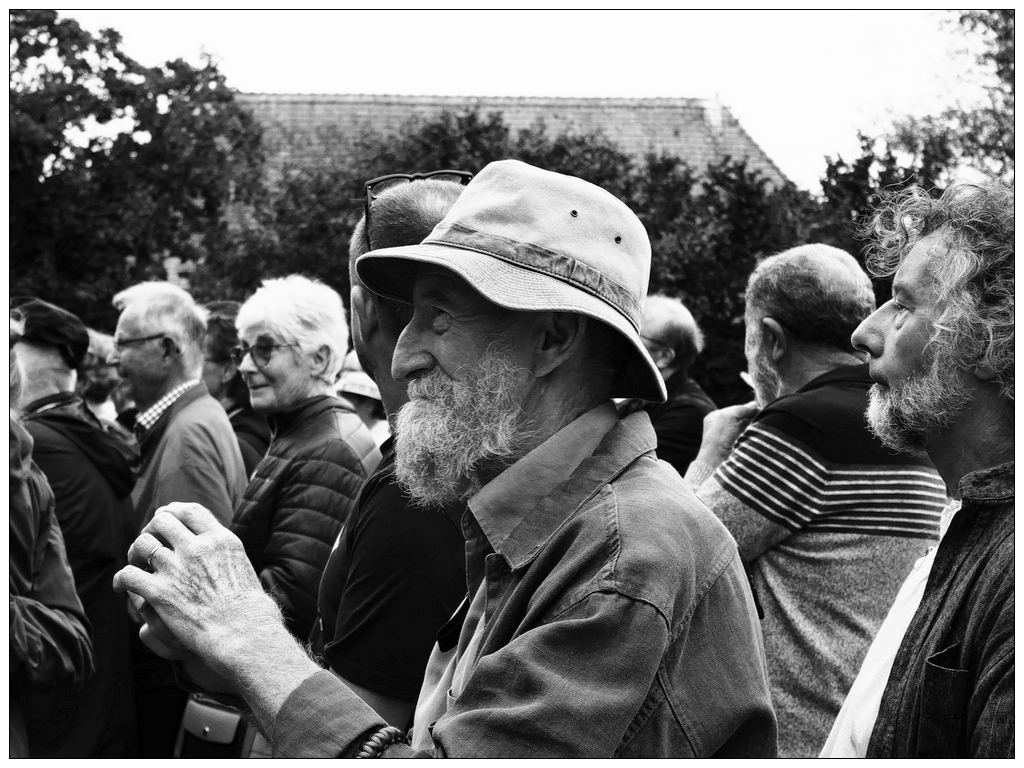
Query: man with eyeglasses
[(673, 340), (189, 452)]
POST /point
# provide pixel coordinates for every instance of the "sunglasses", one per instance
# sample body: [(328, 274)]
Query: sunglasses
[(374, 188), (261, 353)]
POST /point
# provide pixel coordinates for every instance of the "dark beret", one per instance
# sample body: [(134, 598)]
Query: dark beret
[(49, 324)]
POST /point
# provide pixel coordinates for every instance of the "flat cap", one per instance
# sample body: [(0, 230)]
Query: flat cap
[(46, 323)]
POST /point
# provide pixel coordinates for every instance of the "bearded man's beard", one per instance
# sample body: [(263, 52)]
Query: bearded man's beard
[(452, 432), (907, 413)]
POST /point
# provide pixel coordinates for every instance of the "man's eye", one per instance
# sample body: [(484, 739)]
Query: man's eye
[(439, 319)]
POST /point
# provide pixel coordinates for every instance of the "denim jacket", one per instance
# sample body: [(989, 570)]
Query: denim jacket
[(951, 691), (618, 623)]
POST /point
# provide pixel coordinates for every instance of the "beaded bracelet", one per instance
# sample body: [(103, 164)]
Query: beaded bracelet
[(381, 740)]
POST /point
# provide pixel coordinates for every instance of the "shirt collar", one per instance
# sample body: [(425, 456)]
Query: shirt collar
[(993, 483), (145, 420), (511, 510), (56, 400), (842, 373)]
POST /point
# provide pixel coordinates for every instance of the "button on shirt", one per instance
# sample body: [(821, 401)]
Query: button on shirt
[(610, 617)]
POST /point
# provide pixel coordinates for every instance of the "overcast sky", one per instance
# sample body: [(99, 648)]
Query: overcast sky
[(802, 83)]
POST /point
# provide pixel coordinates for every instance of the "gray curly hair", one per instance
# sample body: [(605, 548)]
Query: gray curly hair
[(973, 275)]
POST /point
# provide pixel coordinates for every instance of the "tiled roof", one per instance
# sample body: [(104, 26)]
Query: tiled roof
[(700, 131)]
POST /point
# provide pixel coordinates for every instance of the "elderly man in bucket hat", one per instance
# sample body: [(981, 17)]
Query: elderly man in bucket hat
[(608, 613)]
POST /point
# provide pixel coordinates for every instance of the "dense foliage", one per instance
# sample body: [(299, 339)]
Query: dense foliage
[(114, 166)]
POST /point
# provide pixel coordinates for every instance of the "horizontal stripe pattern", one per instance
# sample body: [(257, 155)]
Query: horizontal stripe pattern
[(793, 487)]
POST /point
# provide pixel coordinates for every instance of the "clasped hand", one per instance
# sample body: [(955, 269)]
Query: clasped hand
[(191, 583)]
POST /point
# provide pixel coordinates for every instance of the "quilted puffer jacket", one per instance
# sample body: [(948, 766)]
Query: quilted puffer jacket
[(299, 496)]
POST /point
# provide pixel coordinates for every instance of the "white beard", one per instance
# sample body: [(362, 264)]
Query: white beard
[(450, 431)]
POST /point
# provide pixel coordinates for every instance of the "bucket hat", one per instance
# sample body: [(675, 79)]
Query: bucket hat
[(533, 240)]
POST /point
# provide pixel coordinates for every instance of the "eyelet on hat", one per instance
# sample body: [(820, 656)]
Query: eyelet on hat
[(573, 213), (618, 238)]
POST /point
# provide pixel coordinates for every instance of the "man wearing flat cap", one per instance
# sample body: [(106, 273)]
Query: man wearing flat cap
[(89, 464), (608, 614)]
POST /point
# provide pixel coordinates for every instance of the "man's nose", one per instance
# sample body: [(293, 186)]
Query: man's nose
[(866, 337), (411, 359)]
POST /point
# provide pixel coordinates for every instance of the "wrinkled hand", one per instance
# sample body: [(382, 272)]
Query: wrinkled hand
[(190, 580), (721, 428)]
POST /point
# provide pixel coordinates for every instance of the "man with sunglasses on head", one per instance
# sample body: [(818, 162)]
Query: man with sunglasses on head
[(397, 573), (608, 611), (189, 452)]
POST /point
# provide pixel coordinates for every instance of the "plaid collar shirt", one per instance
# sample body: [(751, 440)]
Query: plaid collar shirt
[(145, 420)]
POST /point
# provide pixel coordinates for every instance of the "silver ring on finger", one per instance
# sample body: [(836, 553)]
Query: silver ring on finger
[(149, 560)]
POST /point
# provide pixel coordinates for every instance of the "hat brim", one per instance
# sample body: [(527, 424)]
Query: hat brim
[(391, 272)]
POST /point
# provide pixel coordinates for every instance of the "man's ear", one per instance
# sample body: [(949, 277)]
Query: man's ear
[(169, 347), (560, 335), (774, 338), (663, 356), (365, 305)]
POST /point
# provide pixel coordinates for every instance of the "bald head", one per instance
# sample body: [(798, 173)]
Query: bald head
[(818, 293), (668, 324)]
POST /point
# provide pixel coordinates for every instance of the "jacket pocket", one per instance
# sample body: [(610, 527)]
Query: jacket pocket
[(944, 694)]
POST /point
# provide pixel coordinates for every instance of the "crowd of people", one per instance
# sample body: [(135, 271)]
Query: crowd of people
[(489, 512)]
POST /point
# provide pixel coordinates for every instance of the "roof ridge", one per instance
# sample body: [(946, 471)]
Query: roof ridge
[(760, 149), (654, 100)]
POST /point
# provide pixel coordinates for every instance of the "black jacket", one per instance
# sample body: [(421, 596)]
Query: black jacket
[(253, 433), (89, 466), (49, 633), (298, 499)]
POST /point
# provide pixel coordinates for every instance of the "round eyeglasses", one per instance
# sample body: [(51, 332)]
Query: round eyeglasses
[(261, 353)]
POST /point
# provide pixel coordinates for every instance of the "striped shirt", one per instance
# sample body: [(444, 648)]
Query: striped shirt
[(796, 488), (830, 523)]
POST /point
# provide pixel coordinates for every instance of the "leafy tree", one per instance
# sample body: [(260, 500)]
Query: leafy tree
[(979, 135), (707, 234), (986, 131), (115, 167)]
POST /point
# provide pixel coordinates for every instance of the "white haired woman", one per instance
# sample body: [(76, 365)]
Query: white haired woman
[(292, 342)]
